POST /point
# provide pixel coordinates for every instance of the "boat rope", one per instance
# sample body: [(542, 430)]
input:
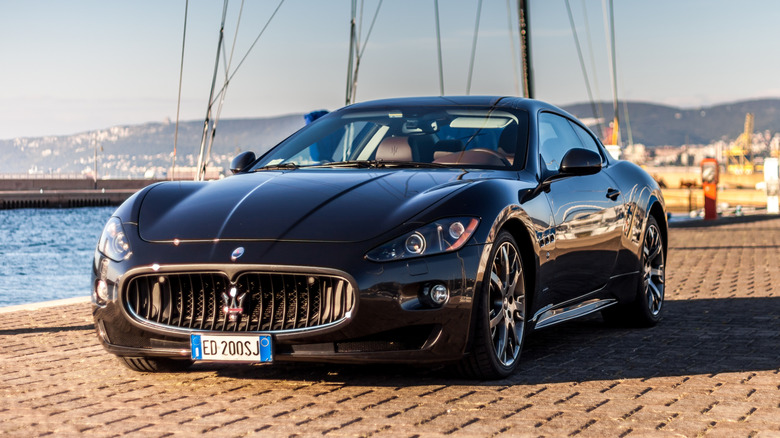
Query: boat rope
[(582, 60), (200, 175), (223, 93), (593, 69), (473, 48), (178, 101), (513, 46), (240, 63), (438, 45), (361, 48)]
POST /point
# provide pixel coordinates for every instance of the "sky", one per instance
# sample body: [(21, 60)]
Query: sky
[(69, 67)]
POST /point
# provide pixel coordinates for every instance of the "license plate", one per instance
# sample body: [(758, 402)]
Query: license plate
[(232, 348)]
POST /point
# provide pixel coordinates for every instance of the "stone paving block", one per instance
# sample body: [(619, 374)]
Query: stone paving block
[(711, 367)]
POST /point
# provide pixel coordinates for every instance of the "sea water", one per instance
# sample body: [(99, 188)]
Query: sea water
[(46, 254)]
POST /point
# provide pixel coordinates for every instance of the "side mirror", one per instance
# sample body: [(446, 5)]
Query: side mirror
[(242, 161), (576, 162), (580, 162)]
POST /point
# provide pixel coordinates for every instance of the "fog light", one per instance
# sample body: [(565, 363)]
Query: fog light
[(435, 295), (101, 291)]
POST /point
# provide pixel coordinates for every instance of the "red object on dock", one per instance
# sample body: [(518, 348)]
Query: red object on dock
[(710, 174)]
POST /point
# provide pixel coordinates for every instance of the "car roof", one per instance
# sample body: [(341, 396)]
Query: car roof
[(530, 105)]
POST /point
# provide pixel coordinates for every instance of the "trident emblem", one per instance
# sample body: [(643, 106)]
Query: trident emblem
[(233, 304)]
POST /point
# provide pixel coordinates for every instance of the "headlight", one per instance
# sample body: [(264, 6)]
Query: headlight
[(113, 242), (435, 238)]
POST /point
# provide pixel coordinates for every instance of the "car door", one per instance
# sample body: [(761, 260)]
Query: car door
[(586, 213)]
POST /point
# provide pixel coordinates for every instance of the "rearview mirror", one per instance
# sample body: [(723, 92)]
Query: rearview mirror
[(242, 161), (580, 161)]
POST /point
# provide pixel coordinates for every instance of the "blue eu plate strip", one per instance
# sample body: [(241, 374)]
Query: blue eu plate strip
[(266, 350), (197, 349)]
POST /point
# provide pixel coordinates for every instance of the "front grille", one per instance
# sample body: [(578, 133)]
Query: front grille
[(272, 301)]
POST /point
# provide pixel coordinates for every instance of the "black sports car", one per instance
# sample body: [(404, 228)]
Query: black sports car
[(407, 230)]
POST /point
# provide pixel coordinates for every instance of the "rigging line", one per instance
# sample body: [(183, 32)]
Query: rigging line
[(224, 86), (178, 101), (609, 29), (368, 35), (593, 70), (360, 26), (628, 122), (474, 48), (361, 50), (514, 46), (438, 46), (201, 166), (582, 60), (351, 59), (240, 63)]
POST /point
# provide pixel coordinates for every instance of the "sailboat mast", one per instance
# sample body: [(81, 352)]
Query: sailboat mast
[(350, 62), (438, 47), (201, 173), (525, 48), (613, 73)]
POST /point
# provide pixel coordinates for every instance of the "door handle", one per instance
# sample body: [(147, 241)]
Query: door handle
[(613, 194)]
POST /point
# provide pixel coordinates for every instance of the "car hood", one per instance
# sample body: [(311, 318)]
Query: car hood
[(333, 205)]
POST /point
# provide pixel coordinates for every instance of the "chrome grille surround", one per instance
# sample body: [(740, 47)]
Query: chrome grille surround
[(274, 302)]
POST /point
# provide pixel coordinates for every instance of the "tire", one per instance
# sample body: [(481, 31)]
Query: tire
[(155, 365), (645, 310), (501, 314)]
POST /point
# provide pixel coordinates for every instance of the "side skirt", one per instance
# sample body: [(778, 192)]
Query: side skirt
[(620, 288), (546, 317)]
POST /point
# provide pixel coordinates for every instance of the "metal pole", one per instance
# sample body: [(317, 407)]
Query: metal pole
[(350, 62), (613, 71), (438, 46), (525, 49), (95, 163), (201, 171), (178, 101)]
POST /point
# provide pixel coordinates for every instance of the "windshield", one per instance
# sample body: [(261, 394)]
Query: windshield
[(480, 137)]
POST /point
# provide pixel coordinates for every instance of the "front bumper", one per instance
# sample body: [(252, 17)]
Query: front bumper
[(389, 321)]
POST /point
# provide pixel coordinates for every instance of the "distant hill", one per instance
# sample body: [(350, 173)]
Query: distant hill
[(130, 151), (659, 125)]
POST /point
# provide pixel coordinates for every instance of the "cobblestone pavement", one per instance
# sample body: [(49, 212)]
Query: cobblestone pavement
[(711, 367)]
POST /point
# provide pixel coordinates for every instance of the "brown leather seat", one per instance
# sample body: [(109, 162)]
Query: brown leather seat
[(472, 156), (394, 149)]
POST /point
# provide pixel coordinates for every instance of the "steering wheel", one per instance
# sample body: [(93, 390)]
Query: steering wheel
[(496, 154)]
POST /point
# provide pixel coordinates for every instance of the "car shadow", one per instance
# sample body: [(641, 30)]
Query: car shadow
[(28, 330), (709, 336), (701, 223)]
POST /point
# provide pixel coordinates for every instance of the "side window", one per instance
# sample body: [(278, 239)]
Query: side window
[(556, 137), (588, 142)]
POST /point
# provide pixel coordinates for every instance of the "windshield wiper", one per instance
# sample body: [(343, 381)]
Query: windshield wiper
[(380, 164), (280, 166), (416, 164), (353, 163)]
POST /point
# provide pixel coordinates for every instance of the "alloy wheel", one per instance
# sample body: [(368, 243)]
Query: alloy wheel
[(653, 269), (506, 304)]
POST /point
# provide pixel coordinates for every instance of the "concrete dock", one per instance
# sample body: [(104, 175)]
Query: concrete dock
[(711, 367), (66, 192)]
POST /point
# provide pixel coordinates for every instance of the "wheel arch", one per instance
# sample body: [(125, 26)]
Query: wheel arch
[(657, 211), (525, 243)]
